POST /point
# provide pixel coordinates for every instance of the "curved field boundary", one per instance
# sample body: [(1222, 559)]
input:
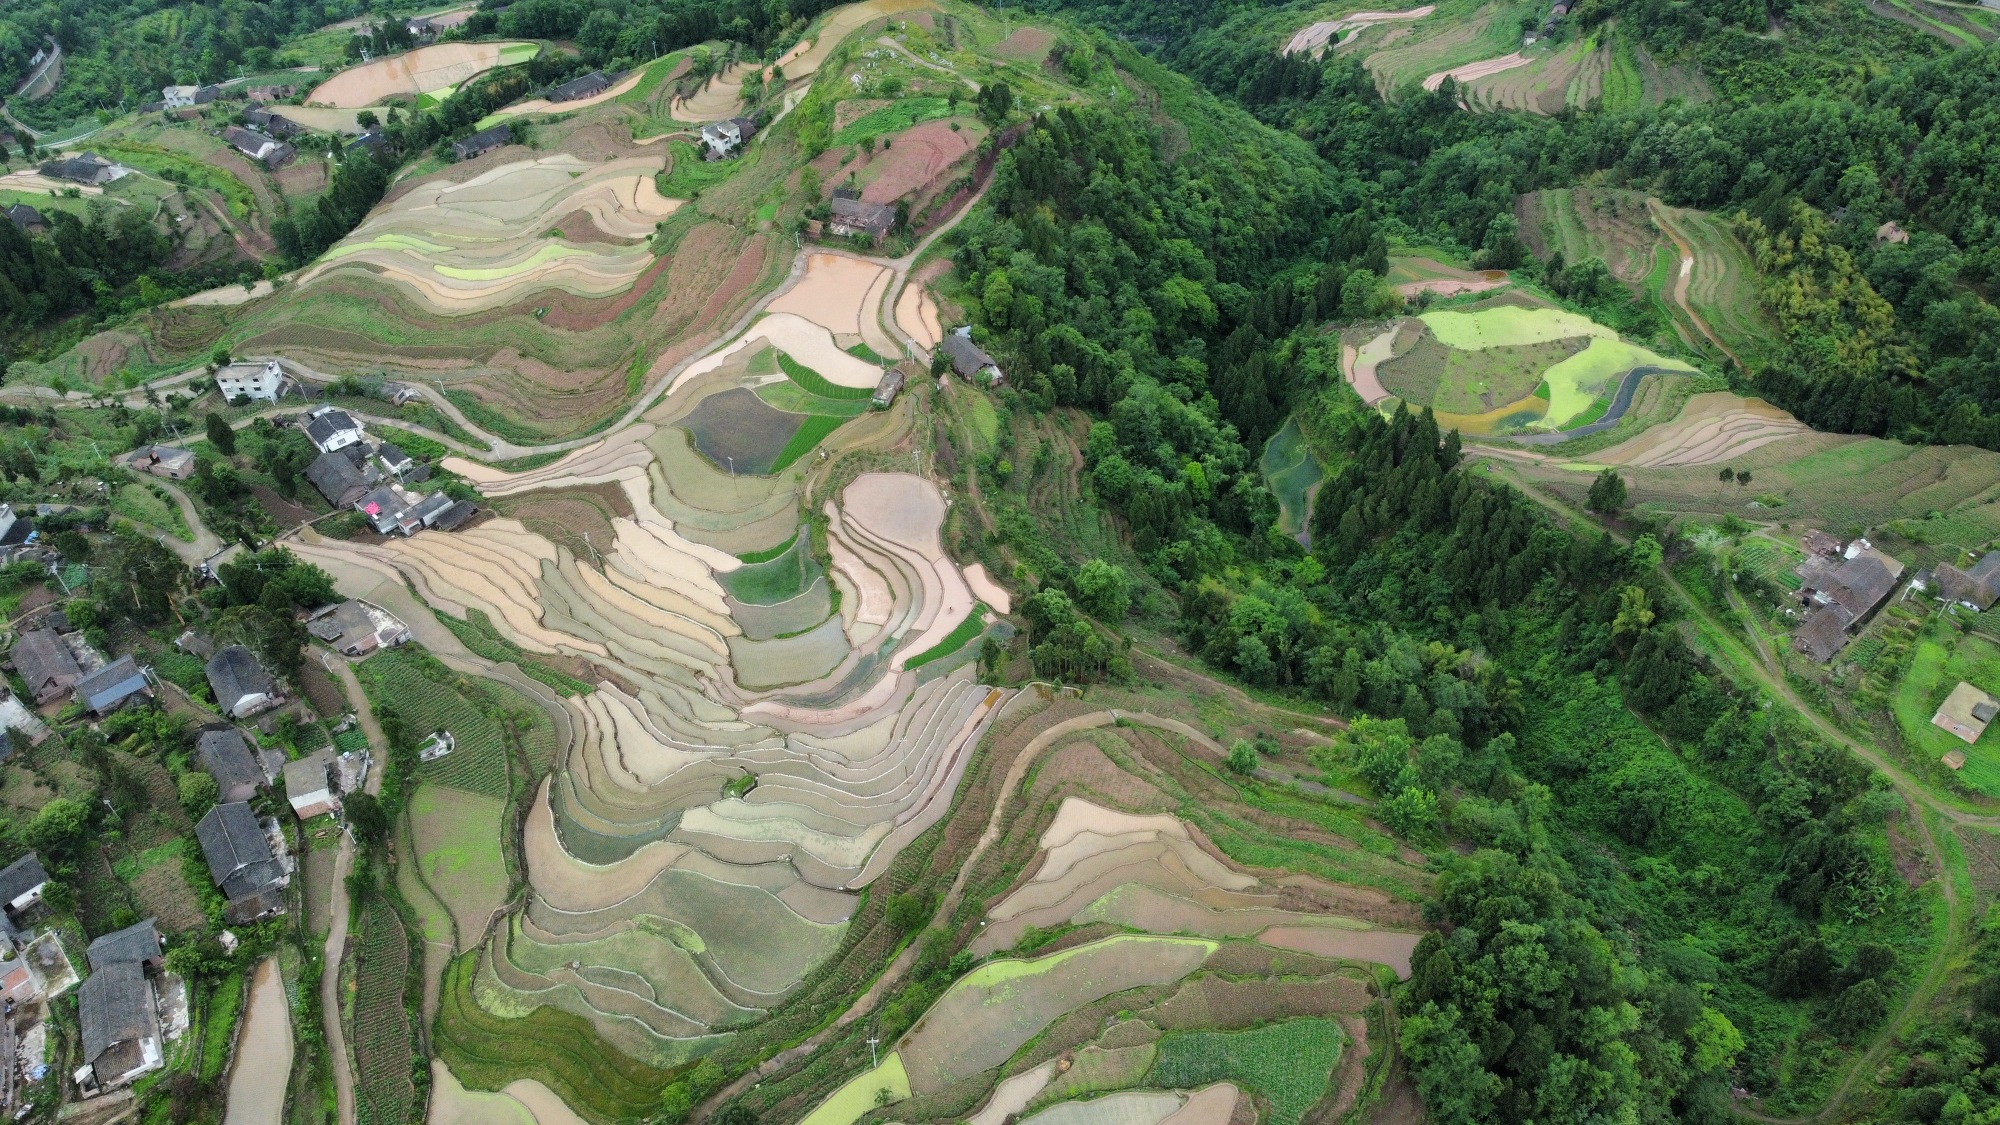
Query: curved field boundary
[(1472, 72), (1620, 403), (1315, 37), (1687, 264)]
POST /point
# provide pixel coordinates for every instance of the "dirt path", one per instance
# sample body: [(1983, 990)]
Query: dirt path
[(364, 714), (1686, 249), (329, 982), (1764, 666), (206, 545), (222, 216)]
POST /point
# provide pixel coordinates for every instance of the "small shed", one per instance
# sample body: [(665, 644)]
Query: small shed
[(480, 143), (1966, 713), (309, 785)]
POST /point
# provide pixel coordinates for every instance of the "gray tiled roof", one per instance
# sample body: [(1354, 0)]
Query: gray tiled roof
[(337, 478), (226, 755), (111, 685), (233, 674), (43, 659), (239, 858), (135, 944), (116, 1006), (21, 876)]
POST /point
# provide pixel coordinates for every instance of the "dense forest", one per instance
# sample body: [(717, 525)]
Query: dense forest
[(1528, 692), (1821, 135)]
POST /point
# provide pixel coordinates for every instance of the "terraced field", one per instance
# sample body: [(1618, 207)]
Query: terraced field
[(381, 1034)]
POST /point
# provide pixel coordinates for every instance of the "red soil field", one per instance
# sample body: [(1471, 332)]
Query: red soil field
[(914, 159)]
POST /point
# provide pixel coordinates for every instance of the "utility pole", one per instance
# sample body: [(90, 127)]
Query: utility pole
[(872, 1060)]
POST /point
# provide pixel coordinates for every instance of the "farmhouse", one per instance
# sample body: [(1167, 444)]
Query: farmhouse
[(371, 142), (240, 861), (271, 93), (163, 461), (186, 97), (421, 28), (725, 137), (309, 787), (21, 884), (887, 390), (1817, 542), (88, 168), (257, 382), (1853, 585), (46, 665), (480, 143), (121, 1026), (330, 428), (393, 459), (356, 628), (337, 478), (137, 944), (1978, 586), (257, 146), (968, 358), (15, 531), (240, 684), (108, 688), (851, 216), (1822, 636), (588, 86), (388, 511), (226, 755), (1965, 713), (276, 124), (25, 217)]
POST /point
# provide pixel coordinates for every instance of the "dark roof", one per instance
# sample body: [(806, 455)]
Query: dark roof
[(116, 1006), (967, 358), (24, 216), (431, 507), (17, 531), (383, 504), (1978, 584), (875, 218), (134, 944), (239, 858), (43, 660), (485, 141), (1822, 636), (233, 674), (337, 478), (226, 755), (111, 685), (456, 514), (86, 169), (20, 877), (888, 388), (745, 127), (372, 140), (1853, 586), (322, 427), (587, 86), (391, 454)]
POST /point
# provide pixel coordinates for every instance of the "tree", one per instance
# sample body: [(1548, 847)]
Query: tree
[(220, 435), (198, 792), (60, 829), (1607, 493), (1103, 590), (365, 816), (1742, 476), (1242, 757), (1728, 474), (908, 911)]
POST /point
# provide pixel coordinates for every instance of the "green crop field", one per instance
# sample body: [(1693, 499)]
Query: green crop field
[(137, 503), (973, 625), (479, 635), (773, 580), (810, 433), (383, 1091), (431, 697), (457, 837), (1624, 89), (1291, 1063), (816, 384), (560, 1050)]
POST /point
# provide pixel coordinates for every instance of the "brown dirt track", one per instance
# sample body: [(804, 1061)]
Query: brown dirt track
[(916, 157)]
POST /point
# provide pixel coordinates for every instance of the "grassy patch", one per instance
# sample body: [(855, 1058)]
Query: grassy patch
[(136, 502), (159, 161), (1290, 1063), (479, 635), (219, 1024), (1940, 661), (776, 579), (816, 384), (690, 175), (893, 118), (482, 715), (973, 625)]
